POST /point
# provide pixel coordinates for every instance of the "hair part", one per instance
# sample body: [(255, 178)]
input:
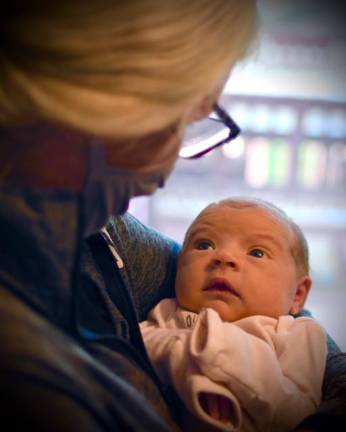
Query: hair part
[(117, 68), (299, 249)]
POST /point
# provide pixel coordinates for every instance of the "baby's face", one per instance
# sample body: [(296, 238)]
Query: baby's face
[(238, 262)]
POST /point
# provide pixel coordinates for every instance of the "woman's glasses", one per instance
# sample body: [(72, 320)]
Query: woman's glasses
[(206, 135)]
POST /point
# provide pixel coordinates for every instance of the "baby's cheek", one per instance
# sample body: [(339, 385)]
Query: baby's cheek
[(185, 296), (191, 258), (181, 288)]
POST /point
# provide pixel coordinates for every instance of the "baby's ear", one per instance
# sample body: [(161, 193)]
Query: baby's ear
[(301, 294)]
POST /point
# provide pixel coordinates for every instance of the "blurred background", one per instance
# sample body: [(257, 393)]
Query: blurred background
[(289, 98)]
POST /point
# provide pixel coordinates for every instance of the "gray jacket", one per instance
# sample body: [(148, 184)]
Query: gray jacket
[(68, 358)]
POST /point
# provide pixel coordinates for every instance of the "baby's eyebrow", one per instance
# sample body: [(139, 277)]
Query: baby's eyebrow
[(198, 231), (267, 237)]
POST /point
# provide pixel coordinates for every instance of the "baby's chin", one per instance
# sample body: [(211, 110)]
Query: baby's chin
[(226, 312)]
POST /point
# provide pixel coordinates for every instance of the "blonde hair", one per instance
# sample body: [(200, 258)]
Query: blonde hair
[(122, 67), (299, 249)]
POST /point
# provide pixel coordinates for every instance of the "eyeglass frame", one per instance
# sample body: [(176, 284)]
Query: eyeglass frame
[(226, 119)]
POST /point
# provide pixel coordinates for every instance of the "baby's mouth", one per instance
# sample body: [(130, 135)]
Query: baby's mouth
[(220, 285)]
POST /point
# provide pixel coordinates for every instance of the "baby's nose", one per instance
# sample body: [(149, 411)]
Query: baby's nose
[(224, 257)]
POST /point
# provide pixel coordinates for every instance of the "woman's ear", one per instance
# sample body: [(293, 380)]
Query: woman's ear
[(301, 294), (206, 105), (201, 110)]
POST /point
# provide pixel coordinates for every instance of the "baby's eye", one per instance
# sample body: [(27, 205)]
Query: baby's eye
[(257, 253), (204, 245)]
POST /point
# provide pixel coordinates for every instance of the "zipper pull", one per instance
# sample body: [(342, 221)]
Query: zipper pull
[(110, 244)]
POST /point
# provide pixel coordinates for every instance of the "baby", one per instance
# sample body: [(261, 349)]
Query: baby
[(229, 343)]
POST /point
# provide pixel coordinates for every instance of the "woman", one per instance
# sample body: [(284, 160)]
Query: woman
[(94, 99)]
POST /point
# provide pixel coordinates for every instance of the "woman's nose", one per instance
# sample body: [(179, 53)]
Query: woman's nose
[(226, 258)]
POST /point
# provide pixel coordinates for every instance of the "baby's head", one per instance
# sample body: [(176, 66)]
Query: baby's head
[(243, 257)]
